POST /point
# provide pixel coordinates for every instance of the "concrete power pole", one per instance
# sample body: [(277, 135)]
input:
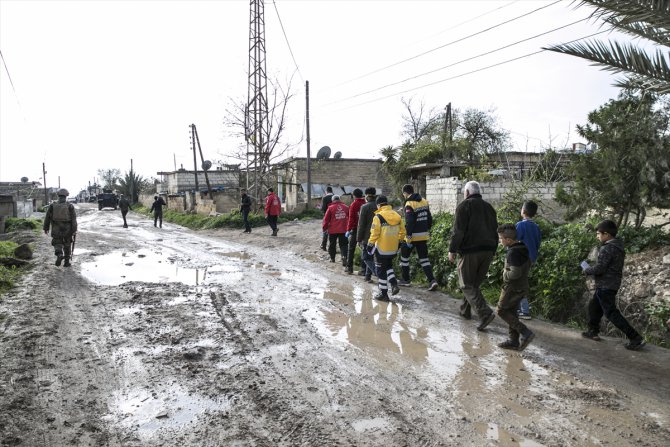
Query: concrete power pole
[(44, 177), (309, 170)]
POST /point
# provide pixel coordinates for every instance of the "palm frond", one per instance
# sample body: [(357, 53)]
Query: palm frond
[(652, 69)]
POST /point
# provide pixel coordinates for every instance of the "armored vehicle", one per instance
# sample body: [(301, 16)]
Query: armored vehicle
[(107, 200)]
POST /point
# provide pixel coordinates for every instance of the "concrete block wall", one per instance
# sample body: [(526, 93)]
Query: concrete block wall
[(444, 194), (334, 171), (182, 181)]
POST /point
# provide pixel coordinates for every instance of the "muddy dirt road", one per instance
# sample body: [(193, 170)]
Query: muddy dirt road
[(169, 337)]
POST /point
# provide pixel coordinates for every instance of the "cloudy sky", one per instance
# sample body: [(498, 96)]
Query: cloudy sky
[(95, 83)]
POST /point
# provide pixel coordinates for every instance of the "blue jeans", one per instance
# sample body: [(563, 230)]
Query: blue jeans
[(368, 263), (524, 306)]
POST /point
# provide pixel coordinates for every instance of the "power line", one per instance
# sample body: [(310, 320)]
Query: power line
[(456, 63), (448, 44), (467, 73), (10, 77), (470, 20), (281, 24)]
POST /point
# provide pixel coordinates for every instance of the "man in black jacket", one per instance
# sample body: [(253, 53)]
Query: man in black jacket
[(367, 212), (325, 201), (245, 207), (475, 238)]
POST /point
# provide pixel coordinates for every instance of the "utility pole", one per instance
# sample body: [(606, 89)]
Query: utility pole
[(448, 130), (309, 170), (59, 182), (132, 182), (202, 160), (195, 164), (44, 177)]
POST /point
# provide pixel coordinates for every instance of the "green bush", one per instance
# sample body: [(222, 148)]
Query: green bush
[(8, 275), (556, 280), (15, 224)]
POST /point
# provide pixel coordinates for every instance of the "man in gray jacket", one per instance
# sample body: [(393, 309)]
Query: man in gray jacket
[(367, 212), (475, 238)]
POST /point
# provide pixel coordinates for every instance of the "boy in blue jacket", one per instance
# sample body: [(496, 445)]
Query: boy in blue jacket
[(529, 233)]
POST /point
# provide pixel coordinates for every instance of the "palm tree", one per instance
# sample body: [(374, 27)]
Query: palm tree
[(642, 19)]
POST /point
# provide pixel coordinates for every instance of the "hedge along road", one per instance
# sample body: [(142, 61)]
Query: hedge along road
[(170, 337)]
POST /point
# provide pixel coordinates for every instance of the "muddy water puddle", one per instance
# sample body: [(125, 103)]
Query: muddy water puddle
[(145, 265), (382, 329), (502, 437), (149, 411)]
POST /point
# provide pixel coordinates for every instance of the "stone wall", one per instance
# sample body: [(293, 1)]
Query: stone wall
[(444, 194)]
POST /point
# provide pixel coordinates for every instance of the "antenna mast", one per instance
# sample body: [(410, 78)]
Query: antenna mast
[(257, 128)]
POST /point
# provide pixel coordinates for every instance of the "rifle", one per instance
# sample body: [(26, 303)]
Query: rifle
[(74, 239)]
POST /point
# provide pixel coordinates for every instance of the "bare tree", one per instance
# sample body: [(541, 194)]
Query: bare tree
[(420, 123), (277, 147)]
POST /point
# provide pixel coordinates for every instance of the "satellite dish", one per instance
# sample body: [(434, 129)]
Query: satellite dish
[(323, 153), (24, 179), (206, 165), (338, 154)]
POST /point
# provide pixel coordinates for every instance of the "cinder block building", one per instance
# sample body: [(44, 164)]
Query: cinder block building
[(343, 174)]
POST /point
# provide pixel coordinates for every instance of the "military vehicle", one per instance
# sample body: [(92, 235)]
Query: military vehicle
[(107, 200)]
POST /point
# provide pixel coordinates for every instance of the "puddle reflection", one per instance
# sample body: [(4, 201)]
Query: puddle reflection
[(375, 326), (144, 265)]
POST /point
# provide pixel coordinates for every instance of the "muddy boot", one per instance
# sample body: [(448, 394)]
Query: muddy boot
[(381, 296), (526, 338), (67, 262), (59, 259)]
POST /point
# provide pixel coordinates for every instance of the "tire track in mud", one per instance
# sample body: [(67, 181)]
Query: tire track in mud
[(60, 342), (306, 425), (291, 426)]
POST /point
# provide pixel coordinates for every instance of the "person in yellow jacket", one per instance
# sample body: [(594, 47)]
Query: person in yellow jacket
[(386, 233)]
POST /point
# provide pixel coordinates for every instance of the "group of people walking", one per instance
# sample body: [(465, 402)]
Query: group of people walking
[(381, 233), (372, 224)]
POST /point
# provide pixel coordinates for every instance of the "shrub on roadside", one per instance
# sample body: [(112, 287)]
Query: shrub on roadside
[(15, 224), (8, 275)]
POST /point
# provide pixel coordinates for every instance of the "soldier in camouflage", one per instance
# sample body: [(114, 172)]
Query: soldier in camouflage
[(62, 219)]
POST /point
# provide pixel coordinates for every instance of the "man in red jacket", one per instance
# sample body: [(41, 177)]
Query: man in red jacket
[(352, 227), (272, 210), (335, 223)]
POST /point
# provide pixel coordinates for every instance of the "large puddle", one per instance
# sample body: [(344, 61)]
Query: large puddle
[(145, 265)]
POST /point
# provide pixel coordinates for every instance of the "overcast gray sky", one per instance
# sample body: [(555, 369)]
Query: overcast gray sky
[(98, 83)]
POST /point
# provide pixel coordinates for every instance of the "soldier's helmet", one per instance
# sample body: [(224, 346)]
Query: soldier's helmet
[(63, 192)]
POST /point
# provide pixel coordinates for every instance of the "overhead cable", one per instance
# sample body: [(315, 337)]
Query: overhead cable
[(448, 44), (467, 73), (456, 63), (281, 24)]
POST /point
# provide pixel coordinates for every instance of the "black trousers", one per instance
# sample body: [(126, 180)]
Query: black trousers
[(158, 217), (272, 221), (603, 303), (385, 273), (351, 249), (342, 242), (422, 253), (245, 219), (123, 214), (324, 240)]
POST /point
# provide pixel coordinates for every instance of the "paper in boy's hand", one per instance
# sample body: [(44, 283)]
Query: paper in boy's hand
[(584, 265)]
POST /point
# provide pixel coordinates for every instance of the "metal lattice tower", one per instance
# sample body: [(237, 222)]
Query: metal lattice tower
[(257, 126)]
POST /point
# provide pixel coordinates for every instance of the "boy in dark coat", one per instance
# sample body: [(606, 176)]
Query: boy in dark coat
[(607, 273), (515, 287)]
